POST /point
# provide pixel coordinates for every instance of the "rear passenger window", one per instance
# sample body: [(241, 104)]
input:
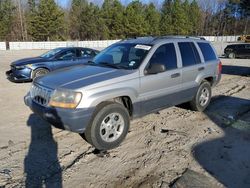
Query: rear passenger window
[(166, 55), (189, 54), (207, 51)]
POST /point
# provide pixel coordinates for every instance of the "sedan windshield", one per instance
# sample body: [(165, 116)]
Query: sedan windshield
[(122, 56), (51, 53)]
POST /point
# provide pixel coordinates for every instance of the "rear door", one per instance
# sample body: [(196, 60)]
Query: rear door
[(191, 68), (240, 50), (246, 50), (247, 46), (162, 89)]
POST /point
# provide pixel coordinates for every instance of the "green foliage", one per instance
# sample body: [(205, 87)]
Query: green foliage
[(44, 20), (47, 22), (194, 15), (153, 17), (113, 14), (6, 18), (135, 23)]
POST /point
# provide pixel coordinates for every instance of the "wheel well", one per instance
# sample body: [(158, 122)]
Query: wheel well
[(41, 68), (210, 80), (126, 102)]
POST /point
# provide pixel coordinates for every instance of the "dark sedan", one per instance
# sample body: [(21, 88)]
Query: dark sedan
[(27, 69), (237, 50)]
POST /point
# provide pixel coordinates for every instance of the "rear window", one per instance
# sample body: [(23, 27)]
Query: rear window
[(207, 51)]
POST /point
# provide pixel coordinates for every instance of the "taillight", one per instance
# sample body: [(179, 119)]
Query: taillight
[(219, 67)]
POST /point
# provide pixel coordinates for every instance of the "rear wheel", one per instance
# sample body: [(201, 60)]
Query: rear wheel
[(109, 126), (202, 97), (39, 72), (231, 55)]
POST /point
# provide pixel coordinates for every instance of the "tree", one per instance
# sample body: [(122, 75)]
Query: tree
[(179, 19), (135, 23), (166, 18), (92, 26), (113, 15), (77, 7), (153, 18), (6, 18), (194, 14), (47, 22)]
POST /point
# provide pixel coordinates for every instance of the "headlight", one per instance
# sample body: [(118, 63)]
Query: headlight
[(29, 66), (65, 98), (24, 66), (20, 67)]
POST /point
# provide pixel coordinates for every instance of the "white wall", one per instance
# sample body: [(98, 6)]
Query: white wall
[(219, 42), (2, 46), (221, 38), (50, 45)]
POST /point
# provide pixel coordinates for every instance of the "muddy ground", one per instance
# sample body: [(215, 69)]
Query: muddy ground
[(215, 143)]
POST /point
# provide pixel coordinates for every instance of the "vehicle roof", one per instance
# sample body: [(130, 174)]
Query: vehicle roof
[(238, 44), (153, 40), (72, 47)]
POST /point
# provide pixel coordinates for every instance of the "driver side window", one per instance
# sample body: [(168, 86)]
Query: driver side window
[(165, 55)]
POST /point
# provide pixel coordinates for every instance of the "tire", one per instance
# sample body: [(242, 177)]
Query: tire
[(39, 72), (202, 97), (109, 126), (231, 55)]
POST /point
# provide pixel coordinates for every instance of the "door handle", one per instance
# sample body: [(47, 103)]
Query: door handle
[(201, 68), (175, 75)]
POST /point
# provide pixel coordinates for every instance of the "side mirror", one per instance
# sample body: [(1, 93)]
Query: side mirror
[(155, 68)]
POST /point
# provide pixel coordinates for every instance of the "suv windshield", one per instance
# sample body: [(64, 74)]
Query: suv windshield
[(122, 56), (51, 53)]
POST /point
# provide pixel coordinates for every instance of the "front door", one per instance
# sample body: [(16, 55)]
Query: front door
[(161, 90), (65, 59)]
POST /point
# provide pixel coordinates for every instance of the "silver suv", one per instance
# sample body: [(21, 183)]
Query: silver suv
[(129, 79)]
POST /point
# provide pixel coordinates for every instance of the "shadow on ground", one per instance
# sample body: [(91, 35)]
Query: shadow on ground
[(228, 158), (236, 70), (41, 164)]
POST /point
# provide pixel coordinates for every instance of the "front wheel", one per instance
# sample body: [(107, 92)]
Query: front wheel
[(202, 97), (39, 72), (109, 126)]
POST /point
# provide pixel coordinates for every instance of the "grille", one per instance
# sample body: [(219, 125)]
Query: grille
[(40, 95)]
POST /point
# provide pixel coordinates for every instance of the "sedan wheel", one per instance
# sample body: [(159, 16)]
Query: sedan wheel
[(39, 72)]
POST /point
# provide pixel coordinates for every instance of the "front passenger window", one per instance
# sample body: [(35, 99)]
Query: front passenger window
[(165, 55), (67, 55)]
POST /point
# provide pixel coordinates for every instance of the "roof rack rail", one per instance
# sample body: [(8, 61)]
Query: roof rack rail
[(137, 37), (179, 36)]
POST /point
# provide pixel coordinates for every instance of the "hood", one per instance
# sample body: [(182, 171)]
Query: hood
[(80, 76), (26, 61)]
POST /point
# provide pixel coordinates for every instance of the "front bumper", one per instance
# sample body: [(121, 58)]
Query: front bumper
[(74, 120), (19, 75)]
